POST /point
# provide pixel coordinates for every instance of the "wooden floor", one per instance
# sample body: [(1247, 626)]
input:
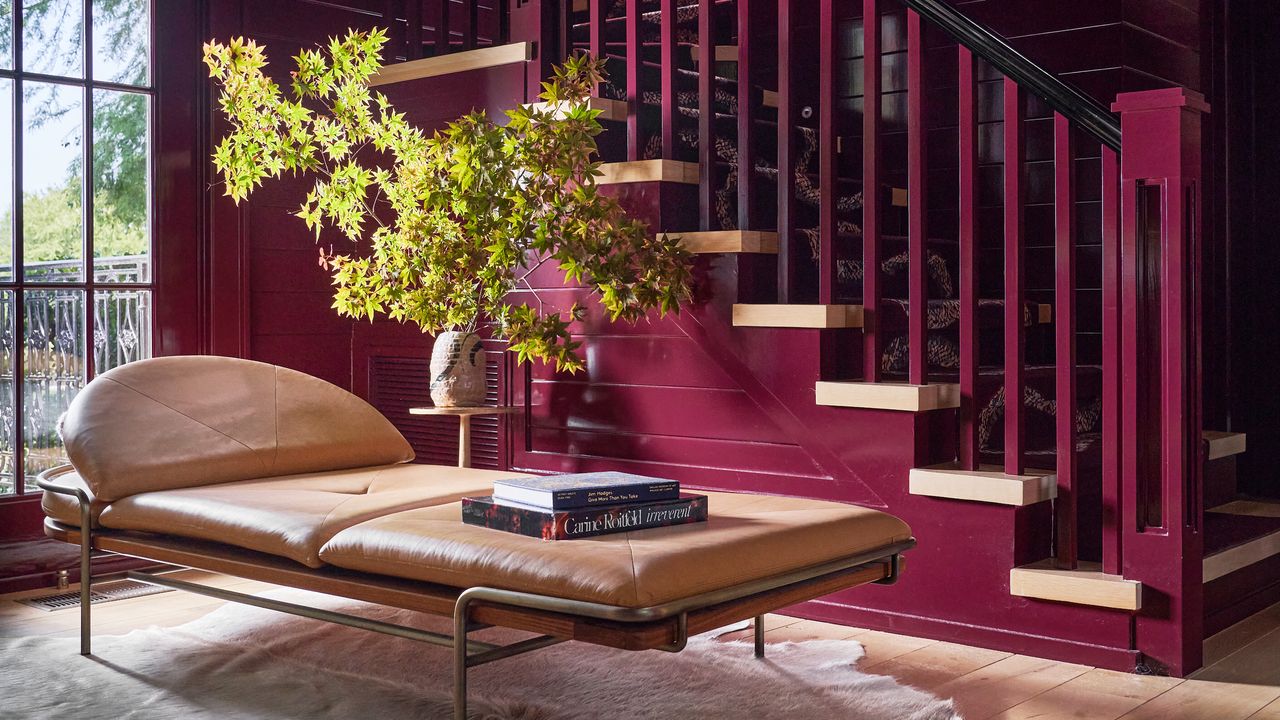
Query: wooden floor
[(1241, 681)]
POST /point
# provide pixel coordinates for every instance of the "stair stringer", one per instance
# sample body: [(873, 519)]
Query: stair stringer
[(714, 336)]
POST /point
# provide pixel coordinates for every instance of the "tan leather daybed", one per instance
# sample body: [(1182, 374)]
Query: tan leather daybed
[(266, 473)]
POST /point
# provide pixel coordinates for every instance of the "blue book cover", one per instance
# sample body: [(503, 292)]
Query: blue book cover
[(558, 492)]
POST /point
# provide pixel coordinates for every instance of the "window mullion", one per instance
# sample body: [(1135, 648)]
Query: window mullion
[(86, 203), (15, 232)]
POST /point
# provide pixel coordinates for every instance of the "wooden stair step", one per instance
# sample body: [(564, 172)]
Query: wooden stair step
[(609, 109), (1223, 444), (723, 53), (1225, 562), (888, 396), (674, 171), (451, 63), (987, 484), (797, 316), (728, 241), (1085, 585)]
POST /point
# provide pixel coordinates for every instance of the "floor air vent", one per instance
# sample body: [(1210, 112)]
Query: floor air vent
[(105, 592)]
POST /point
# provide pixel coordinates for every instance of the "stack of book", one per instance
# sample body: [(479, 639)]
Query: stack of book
[(565, 507)]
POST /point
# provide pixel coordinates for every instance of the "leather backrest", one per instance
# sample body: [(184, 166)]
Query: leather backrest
[(194, 420)]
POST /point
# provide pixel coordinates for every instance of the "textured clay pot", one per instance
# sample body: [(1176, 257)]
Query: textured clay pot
[(457, 370)]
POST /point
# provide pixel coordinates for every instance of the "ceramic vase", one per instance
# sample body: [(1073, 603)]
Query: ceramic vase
[(457, 370)]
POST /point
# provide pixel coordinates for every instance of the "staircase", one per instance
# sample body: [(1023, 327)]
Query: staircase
[(986, 236), (952, 315)]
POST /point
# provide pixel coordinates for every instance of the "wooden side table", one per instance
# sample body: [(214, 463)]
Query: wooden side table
[(464, 423)]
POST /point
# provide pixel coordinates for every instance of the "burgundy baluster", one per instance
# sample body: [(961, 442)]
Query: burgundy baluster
[(1013, 282), (597, 24), (1065, 337), (1112, 500), (706, 113), (788, 16), (667, 65), (469, 25), (826, 153), (396, 33), (917, 231), (967, 449), (871, 155), (634, 97), (413, 30), (440, 19), (751, 51)]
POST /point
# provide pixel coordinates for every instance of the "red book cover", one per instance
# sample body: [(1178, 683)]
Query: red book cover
[(582, 522)]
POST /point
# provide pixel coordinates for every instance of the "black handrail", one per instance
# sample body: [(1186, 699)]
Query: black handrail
[(1065, 99)]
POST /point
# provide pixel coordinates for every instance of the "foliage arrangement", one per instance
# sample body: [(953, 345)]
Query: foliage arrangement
[(457, 221)]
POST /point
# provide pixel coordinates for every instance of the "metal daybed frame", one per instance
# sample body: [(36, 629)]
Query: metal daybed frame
[(665, 627)]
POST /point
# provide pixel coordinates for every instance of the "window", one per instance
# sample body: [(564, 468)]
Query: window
[(75, 212)]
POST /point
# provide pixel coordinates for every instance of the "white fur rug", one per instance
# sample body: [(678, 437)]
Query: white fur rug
[(242, 662)]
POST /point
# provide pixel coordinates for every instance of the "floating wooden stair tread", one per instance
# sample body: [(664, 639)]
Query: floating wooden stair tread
[(987, 484), (797, 316), (1086, 585), (648, 171), (888, 396), (1223, 444), (729, 241), (477, 59), (724, 53), (1240, 556), (609, 109)]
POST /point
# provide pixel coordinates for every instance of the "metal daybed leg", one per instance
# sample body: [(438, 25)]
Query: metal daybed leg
[(45, 482), (86, 577), (759, 632), (461, 611)]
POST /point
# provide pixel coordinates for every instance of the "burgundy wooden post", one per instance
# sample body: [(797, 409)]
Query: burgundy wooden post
[(667, 68), (967, 448), (917, 202), (441, 21), (1065, 337), (751, 50), (1160, 200), (871, 155), (1112, 501), (787, 75), (706, 114), (826, 152), (1013, 283)]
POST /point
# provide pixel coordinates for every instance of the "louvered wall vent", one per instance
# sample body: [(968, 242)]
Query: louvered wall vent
[(101, 592), (399, 383)]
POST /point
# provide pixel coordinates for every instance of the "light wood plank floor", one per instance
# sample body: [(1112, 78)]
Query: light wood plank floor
[(1241, 681)]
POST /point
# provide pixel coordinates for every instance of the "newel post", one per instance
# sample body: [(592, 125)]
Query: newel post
[(1160, 171)]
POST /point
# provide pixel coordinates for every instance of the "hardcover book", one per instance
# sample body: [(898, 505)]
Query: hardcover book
[(559, 492), (582, 522)]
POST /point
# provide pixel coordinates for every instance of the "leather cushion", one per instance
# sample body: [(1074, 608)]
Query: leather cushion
[(294, 516), (746, 537), (66, 508), (187, 421)]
